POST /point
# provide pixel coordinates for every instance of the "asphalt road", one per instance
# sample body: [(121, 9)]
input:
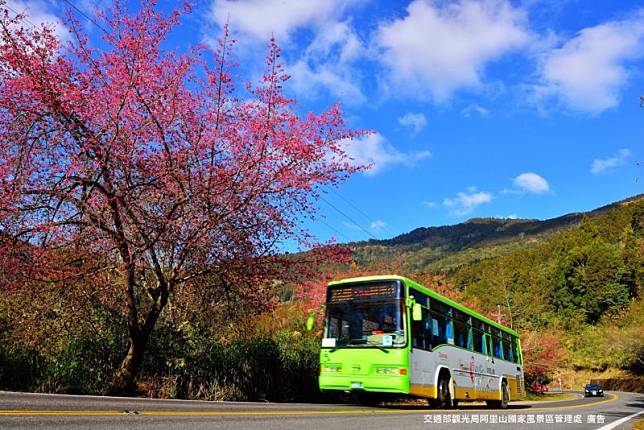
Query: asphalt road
[(43, 411)]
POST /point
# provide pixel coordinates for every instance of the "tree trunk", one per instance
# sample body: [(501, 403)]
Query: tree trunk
[(124, 380)]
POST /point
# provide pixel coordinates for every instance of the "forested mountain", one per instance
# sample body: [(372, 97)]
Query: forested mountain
[(439, 249)]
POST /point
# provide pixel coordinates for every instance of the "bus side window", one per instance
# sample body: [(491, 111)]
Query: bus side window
[(507, 350), (488, 344), (449, 331), (427, 329), (421, 331), (498, 351), (417, 334), (515, 348), (427, 324), (462, 334), (438, 329), (479, 341)]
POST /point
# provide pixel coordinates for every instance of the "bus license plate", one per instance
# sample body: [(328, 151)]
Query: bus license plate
[(356, 385)]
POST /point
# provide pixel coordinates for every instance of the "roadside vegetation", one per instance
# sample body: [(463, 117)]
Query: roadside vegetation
[(575, 299)]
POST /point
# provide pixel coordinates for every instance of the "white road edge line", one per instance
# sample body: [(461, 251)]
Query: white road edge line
[(620, 421)]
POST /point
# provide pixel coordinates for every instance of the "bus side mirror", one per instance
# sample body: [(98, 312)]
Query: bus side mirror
[(310, 322), (416, 312)]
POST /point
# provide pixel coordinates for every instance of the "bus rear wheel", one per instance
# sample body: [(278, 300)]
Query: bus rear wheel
[(505, 398)]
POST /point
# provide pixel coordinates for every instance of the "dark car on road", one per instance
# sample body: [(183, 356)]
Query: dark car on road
[(593, 390)]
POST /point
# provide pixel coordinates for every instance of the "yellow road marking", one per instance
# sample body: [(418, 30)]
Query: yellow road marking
[(286, 413), (53, 412), (615, 397)]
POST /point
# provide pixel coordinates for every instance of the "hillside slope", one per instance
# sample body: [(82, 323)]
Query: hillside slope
[(438, 249)]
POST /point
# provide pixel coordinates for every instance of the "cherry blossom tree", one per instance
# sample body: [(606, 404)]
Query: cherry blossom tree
[(149, 163)]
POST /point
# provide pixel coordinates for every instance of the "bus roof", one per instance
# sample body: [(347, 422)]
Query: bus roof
[(430, 293)]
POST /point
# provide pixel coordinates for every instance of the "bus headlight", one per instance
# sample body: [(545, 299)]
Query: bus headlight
[(331, 369), (390, 371)]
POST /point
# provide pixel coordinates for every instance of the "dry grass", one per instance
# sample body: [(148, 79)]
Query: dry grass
[(576, 380)]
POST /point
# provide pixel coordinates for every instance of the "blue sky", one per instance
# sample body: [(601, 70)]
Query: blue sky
[(480, 108)]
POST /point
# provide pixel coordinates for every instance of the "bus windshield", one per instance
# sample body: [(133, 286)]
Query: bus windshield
[(364, 324)]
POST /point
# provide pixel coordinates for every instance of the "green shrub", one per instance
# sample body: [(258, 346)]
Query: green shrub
[(256, 367), (20, 367), (80, 367)]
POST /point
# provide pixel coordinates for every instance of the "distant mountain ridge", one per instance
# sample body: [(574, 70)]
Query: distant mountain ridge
[(430, 244), (477, 230)]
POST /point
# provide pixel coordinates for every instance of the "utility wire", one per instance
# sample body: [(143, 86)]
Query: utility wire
[(335, 230), (348, 217), (86, 16), (66, 1), (347, 201), (23, 12)]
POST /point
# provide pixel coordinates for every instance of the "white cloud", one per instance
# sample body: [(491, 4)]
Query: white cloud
[(465, 202), (350, 225), (375, 150), (414, 121), (308, 81), (604, 165), (378, 225), (531, 183), (440, 47), (337, 35), (431, 205), (588, 71), (474, 108), (262, 19), (39, 12), (327, 65)]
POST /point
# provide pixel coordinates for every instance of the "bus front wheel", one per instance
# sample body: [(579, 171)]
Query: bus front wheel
[(444, 399)]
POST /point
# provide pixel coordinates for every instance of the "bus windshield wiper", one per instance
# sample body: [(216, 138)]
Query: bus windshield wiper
[(345, 341), (380, 347)]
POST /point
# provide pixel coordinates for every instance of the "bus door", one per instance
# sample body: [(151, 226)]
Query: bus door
[(421, 359)]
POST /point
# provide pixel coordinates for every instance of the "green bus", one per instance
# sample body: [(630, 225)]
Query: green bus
[(387, 336)]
